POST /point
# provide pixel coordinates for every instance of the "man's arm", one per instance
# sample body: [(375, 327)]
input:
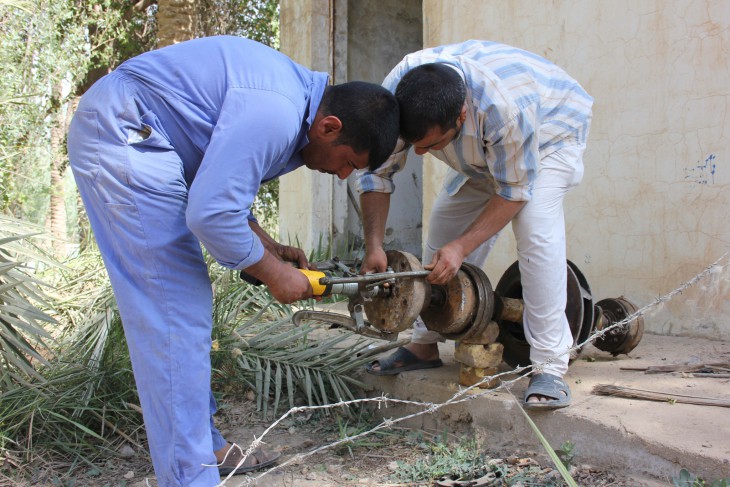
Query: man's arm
[(284, 282), (220, 198), (286, 253), (448, 259), (374, 206)]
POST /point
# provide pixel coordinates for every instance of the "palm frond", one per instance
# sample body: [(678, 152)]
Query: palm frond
[(78, 409), (19, 4), (281, 362), (23, 337), (56, 416)]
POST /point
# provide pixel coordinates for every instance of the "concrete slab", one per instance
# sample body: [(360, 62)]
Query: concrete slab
[(633, 437)]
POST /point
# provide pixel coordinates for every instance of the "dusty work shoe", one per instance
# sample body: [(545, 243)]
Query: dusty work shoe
[(256, 460)]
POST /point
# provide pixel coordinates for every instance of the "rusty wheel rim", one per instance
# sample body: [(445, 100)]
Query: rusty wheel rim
[(621, 339), (457, 306), (398, 310)]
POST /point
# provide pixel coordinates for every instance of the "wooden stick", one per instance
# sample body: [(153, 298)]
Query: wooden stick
[(620, 391), (659, 369)]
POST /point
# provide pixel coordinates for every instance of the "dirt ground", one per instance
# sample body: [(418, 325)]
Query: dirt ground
[(369, 461)]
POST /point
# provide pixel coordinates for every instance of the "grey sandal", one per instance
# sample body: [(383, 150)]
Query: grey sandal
[(548, 385), (406, 359)]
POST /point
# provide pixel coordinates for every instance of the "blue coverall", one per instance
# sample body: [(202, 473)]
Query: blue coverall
[(168, 152)]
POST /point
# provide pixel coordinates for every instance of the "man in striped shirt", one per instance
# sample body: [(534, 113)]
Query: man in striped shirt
[(512, 127)]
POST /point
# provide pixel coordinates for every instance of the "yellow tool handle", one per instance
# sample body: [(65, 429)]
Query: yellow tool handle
[(314, 277), (318, 289)]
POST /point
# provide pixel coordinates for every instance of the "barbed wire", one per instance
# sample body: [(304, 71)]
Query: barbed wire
[(460, 396)]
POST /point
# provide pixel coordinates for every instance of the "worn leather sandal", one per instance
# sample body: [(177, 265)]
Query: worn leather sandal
[(258, 459), (548, 385), (406, 359)]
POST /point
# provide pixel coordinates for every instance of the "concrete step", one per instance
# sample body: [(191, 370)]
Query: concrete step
[(632, 437)]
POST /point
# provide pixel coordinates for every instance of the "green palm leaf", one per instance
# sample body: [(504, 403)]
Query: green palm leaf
[(23, 338), (281, 362)]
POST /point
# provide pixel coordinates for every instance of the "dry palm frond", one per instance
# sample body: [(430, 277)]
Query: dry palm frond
[(77, 412), (56, 416)]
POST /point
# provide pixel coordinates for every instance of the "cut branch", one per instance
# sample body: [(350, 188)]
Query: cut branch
[(619, 391)]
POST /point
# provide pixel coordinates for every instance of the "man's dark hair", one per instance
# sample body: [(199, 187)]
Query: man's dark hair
[(369, 115), (429, 95)]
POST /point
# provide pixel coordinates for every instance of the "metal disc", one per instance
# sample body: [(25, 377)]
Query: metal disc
[(621, 339), (398, 310), (583, 329), (456, 307), (485, 308)]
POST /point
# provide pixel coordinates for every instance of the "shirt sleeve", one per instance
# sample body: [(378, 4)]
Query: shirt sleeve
[(381, 180), (512, 155), (255, 129)]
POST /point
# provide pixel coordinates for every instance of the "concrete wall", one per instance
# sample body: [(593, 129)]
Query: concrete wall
[(345, 38), (371, 56), (307, 198), (652, 211)]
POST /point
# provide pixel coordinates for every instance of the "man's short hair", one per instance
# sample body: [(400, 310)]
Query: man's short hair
[(429, 95), (369, 115)]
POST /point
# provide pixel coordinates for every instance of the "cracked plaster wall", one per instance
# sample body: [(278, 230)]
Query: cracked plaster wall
[(653, 208)]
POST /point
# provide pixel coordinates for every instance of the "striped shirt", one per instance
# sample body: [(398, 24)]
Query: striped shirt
[(520, 108)]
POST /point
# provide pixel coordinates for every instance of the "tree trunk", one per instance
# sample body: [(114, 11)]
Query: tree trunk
[(59, 164), (176, 20)]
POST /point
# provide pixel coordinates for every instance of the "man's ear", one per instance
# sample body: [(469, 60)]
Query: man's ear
[(329, 127), (462, 114)]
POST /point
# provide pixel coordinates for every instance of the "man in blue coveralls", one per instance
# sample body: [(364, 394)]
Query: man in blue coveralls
[(168, 152)]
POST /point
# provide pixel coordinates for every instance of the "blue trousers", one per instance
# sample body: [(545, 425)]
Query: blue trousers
[(132, 184)]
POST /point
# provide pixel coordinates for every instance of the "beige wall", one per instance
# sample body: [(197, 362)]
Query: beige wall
[(651, 212)]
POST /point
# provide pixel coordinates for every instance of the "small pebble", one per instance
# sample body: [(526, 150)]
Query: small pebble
[(126, 451)]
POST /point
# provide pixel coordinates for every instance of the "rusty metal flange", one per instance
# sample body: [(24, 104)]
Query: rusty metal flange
[(621, 339), (397, 310), (467, 307), (485, 310), (455, 308)]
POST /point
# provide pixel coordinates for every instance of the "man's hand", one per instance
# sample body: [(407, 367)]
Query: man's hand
[(375, 261), (290, 285), (446, 263), (495, 215), (286, 283), (292, 254)]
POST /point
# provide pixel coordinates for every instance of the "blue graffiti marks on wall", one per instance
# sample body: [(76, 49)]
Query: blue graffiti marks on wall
[(702, 173)]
